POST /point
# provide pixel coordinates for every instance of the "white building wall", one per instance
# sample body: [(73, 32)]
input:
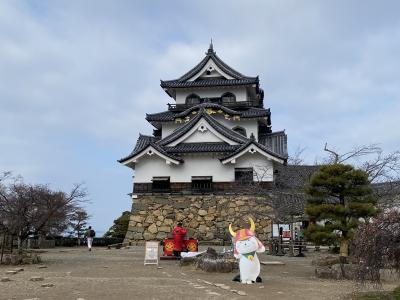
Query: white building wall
[(251, 125), (200, 165), (240, 93), (168, 128)]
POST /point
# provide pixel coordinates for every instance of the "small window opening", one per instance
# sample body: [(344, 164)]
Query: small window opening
[(244, 175), (161, 184), (192, 99), (202, 184), (240, 130), (228, 98)]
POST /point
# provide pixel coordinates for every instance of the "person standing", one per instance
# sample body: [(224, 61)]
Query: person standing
[(90, 234), (179, 234)]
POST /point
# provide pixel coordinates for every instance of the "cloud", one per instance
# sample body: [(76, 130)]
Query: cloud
[(77, 78)]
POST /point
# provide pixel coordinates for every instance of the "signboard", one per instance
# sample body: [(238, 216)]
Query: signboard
[(151, 254), (285, 230)]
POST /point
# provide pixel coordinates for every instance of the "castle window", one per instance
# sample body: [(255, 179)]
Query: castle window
[(192, 99), (228, 98), (243, 175), (240, 130), (161, 184), (202, 184)]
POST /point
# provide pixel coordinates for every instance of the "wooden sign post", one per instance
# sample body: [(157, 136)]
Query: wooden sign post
[(151, 254)]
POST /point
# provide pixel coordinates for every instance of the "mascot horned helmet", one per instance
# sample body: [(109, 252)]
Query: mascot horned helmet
[(246, 245)]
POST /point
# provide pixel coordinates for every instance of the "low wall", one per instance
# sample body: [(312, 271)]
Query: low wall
[(206, 217)]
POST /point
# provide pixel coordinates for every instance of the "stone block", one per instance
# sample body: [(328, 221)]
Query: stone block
[(137, 236), (152, 228), (168, 222), (193, 224), (148, 236), (161, 201), (140, 206), (161, 236), (135, 229), (203, 229), (149, 219), (181, 205), (137, 218), (164, 229), (157, 212), (202, 212)]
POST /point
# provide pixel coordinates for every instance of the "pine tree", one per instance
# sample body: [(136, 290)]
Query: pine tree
[(340, 198), (118, 230)]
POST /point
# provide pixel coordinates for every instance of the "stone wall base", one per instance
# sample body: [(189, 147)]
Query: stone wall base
[(206, 217)]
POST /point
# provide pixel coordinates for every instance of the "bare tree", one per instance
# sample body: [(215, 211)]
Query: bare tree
[(36, 209), (376, 245), (383, 169), (297, 157), (371, 159)]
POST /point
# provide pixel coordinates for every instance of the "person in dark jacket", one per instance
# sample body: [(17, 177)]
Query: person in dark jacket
[(179, 234), (90, 234)]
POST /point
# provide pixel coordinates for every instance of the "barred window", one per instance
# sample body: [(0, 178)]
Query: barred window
[(243, 175), (202, 183), (161, 184)]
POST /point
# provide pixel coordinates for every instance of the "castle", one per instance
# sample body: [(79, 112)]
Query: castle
[(214, 141)]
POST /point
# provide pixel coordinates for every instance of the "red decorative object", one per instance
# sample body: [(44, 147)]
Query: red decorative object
[(191, 245)]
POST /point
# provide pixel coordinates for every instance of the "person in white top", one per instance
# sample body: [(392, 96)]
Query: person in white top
[(90, 234)]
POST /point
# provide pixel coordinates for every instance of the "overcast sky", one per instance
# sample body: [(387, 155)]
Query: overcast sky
[(78, 77)]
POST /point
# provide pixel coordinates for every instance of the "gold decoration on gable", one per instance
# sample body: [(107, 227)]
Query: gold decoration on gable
[(210, 111)]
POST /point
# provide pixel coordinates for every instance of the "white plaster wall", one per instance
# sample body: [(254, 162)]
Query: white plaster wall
[(240, 93), (251, 125), (168, 128), (202, 137), (263, 168), (200, 165)]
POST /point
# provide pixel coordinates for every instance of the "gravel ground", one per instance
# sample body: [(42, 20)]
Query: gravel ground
[(75, 273)]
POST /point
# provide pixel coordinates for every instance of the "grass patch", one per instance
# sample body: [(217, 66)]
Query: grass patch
[(394, 295)]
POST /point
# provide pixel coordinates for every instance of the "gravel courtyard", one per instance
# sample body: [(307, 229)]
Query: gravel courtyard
[(75, 273)]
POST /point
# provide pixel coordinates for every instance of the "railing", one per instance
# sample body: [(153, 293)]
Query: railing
[(237, 104)]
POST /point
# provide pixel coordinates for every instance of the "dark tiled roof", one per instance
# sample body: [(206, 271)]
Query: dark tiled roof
[(225, 131), (288, 205), (293, 176), (170, 116), (201, 147), (145, 141), (239, 79), (262, 147), (161, 117), (208, 82)]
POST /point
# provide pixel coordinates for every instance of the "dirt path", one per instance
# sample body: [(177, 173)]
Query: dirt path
[(120, 274)]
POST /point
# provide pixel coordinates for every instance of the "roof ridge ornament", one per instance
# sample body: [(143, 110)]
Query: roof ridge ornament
[(210, 48)]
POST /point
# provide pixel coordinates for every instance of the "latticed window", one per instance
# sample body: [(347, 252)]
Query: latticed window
[(161, 184), (228, 98), (202, 183), (192, 99), (243, 175)]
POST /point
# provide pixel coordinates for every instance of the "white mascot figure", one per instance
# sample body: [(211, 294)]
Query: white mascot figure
[(246, 246)]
